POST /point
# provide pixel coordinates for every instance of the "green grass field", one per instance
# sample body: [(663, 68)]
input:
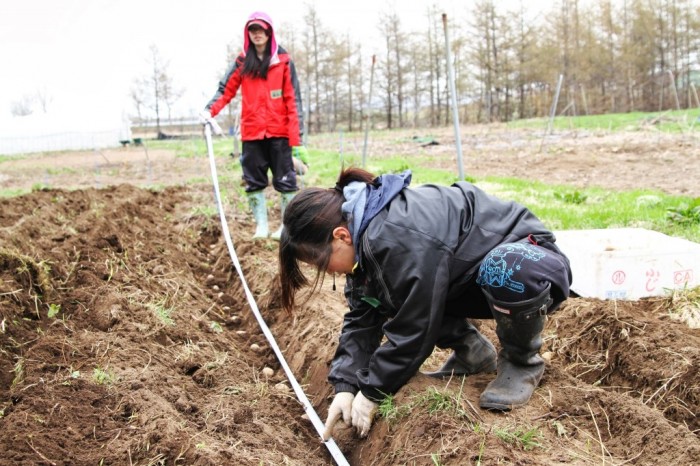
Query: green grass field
[(560, 207)]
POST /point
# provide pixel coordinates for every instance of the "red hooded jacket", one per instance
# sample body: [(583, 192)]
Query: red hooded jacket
[(269, 106)]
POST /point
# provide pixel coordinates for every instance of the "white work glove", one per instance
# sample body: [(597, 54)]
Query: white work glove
[(206, 118), (341, 406), (363, 411)]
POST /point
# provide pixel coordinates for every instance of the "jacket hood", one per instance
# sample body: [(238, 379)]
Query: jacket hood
[(364, 201), (260, 16)]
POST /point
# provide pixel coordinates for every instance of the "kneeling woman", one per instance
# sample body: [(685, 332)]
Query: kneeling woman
[(418, 263)]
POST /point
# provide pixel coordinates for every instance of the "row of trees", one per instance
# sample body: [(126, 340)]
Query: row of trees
[(612, 56)]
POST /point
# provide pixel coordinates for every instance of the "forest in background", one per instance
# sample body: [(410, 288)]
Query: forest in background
[(610, 56), (568, 57)]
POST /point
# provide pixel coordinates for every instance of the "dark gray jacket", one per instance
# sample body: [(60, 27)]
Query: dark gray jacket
[(418, 252)]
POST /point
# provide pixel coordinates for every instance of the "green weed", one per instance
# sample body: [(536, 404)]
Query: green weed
[(216, 327), (525, 438), (390, 412), (163, 313), (437, 401), (684, 306), (54, 309), (686, 214), (18, 370), (102, 376), (571, 198)]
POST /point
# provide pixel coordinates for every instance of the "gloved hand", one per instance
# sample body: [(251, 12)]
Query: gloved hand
[(363, 411), (301, 153), (341, 406), (299, 166), (300, 159), (206, 118)]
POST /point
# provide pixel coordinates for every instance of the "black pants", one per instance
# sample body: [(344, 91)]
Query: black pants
[(511, 272), (274, 154), (515, 272)]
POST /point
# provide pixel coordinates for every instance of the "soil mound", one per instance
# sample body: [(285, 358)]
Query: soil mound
[(126, 338)]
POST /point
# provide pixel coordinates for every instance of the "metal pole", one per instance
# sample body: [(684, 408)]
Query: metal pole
[(697, 101), (555, 103), (453, 92), (675, 91), (552, 111), (340, 149), (368, 118), (307, 112)]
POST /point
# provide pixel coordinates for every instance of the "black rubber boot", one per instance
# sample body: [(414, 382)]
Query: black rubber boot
[(473, 355), (520, 367)]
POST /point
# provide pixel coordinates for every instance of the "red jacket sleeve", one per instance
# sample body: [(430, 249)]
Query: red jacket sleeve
[(291, 106), (228, 87)]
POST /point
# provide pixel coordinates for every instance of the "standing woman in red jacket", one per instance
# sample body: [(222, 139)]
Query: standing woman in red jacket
[(271, 121)]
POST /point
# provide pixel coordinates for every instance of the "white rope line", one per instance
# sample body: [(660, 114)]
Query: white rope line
[(301, 396)]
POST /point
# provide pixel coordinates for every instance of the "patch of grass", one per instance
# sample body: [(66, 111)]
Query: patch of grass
[(162, 312), (205, 211), (102, 376), (54, 309), (390, 412), (18, 370), (571, 198), (442, 401), (436, 401), (526, 438), (668, 121), (600, 208), (60, 171), (684, 306), (14, 192), (685, 214), (40, 187), (559, 207)]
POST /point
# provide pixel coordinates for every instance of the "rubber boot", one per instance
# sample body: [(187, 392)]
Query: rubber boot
[(257, 205), (284, 200), (473, 355), (520, 367)]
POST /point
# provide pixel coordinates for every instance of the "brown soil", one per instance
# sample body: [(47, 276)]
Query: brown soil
[(126, 337)]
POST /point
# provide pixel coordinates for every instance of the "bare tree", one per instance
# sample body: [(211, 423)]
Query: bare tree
[(486, 56), (311, 36), (171, 95), (158, 90), (43, 98), (615, 56), (138, 96), (22, 107)]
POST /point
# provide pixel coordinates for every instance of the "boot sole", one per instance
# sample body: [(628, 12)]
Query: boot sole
[(444, 374), (497, 406)]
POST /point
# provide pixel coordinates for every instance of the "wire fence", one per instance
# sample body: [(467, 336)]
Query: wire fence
[(70, 140)]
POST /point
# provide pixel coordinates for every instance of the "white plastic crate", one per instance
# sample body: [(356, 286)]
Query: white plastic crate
[(629, 263)]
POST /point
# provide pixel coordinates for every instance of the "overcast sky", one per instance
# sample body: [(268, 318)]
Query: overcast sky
[(85, 54)]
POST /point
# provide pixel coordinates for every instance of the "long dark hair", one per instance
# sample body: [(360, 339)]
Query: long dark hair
[(252, 65), (309, 221)]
